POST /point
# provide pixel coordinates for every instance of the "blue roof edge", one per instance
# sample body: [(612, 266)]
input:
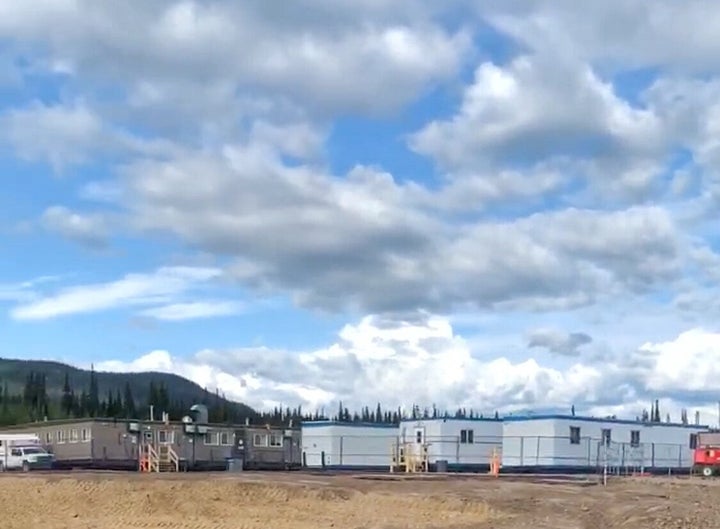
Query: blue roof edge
[(521, 418), (319, 424), (447, 419)]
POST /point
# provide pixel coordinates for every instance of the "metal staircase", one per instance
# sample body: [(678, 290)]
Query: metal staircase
[(160, 458)]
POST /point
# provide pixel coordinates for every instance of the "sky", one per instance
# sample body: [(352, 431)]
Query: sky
[(494, 205)]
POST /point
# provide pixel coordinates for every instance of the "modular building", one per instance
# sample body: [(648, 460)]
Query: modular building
[(460, 444), (574, 442), (344, 445), (113, 443)]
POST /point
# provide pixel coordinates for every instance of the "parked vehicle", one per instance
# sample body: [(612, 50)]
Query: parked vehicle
[(23, 452)]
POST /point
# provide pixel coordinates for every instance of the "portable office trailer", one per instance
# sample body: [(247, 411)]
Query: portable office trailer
[(566, 442), (464, 444), (270, 448), (113, 443), (341, 445)]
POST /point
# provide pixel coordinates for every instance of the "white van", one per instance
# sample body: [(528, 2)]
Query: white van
[(23, 452)]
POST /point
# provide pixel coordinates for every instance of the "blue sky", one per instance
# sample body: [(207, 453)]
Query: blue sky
[(490, 198)]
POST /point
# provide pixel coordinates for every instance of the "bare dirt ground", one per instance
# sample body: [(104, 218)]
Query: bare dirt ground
[(306, 501)]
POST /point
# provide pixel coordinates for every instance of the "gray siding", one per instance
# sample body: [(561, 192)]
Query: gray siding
[(111, 442)]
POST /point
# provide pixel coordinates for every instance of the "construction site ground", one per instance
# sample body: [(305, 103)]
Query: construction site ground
[(303, 500)]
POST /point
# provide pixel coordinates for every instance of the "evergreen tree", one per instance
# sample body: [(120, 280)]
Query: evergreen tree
[(66, 401), (129, 410), (93, 397)]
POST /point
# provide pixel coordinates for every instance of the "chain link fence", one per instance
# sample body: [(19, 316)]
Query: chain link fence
[(527, 452)]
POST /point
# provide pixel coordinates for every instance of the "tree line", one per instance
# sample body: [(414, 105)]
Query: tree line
[(34, 404)]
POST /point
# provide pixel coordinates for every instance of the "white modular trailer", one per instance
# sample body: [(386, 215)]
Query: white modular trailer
[(340, 445), (464, 444), (567, 441)]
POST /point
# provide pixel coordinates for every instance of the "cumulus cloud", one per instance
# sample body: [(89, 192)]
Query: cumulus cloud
[(320, 56), (558, 342), (62, 135), (370, 243), (426, 362), (90, 230)]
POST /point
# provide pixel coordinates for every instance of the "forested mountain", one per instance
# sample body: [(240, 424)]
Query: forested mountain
[(32, 390)]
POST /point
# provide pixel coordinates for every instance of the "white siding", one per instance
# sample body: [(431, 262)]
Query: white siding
[(348, 445), (448, 442), (548, 442), (528, 443)]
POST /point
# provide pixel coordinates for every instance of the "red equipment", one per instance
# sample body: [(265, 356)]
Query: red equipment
[(706, 460)]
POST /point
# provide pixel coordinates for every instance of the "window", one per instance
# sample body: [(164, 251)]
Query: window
[(635, 438), (211, 438), (15, 452), (74, 437), (165, 437), (60, 436), (85, 435), (225, 438), (276, 440), (574, 435), (418, 436), (467, 436), (606, 436), (48, 437), (260, 439), (693, 441)]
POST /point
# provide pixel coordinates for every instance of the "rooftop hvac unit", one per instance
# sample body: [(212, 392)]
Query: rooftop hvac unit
[(199, 413)]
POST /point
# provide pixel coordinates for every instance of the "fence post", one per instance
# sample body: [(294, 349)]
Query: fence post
[(341, 449), (589, 455), (322, 459), (652, 460)]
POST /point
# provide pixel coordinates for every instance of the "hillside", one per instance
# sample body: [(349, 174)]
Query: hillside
[(14, 373)]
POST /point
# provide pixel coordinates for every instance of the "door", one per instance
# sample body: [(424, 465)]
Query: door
[(418, 442)]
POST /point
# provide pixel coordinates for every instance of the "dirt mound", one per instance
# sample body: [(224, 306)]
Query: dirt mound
[(129, 502)]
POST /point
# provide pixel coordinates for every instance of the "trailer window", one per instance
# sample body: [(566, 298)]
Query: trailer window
[(60, 436), (693, 441), (276, 440), (48, 437), (74, 435), (225, 438), (467, 436), (85, 434), (574, 435), (606, 436), (635, 438), (210, 439), (260, 439)]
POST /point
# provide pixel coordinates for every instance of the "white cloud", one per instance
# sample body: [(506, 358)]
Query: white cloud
[(193, 310), (423, 361), (60, 134), (557, 341), (90, 230), (548, 109), (134, 289)]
